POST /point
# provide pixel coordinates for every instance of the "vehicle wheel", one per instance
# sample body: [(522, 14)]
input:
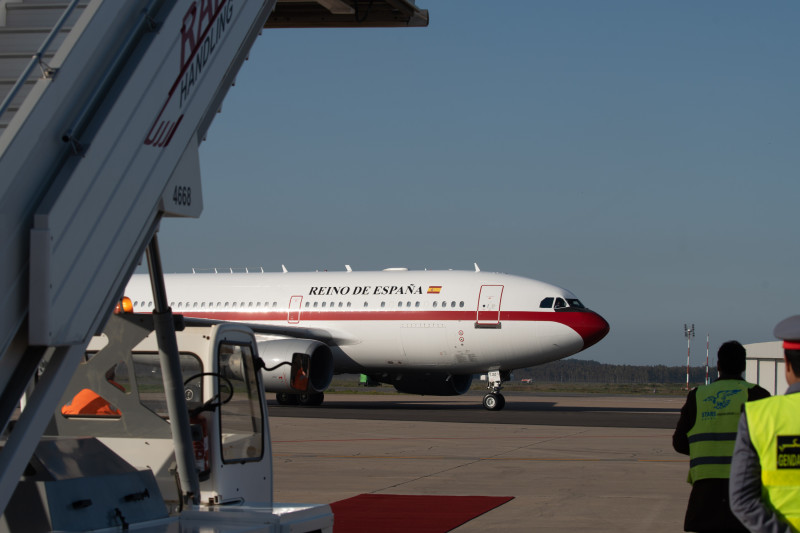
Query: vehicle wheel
[(312, 399), (284, 398), (501, 402), (492, 401)]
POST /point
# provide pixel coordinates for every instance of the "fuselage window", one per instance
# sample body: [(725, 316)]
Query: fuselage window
[(274, 304), (461, 304), (348, 304), (416, 304), (452, 304), (560, 303), (323, 304), (399, 304), (316, 303), (306, 304), (234, 305), (195, 305), (444, 304), (342, 303), (547, 303), (435, 304), (383, 304), (366, 304), (332, 304)]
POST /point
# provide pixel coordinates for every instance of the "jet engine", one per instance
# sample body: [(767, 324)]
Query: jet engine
[(431, 384), (296, 365)]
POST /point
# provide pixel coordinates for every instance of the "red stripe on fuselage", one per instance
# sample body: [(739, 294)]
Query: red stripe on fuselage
[(393, 315)]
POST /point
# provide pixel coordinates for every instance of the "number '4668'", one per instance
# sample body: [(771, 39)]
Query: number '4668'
[(182, 195)]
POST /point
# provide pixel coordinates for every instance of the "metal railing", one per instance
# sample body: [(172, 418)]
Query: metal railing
[(36, 59)]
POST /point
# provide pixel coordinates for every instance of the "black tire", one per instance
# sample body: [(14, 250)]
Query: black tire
[(492, 401), (284, 398), (501, 401), (312, 399)]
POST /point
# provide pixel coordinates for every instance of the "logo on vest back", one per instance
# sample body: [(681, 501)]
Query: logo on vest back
[(722, 399), (788, 451)]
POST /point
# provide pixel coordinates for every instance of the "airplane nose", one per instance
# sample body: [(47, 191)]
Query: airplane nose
[(591, 327)]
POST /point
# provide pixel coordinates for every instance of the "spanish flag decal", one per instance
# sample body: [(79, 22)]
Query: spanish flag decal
[(434, 289)]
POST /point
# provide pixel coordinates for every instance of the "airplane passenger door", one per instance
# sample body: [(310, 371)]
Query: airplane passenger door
[(489, 306), (294, 309)]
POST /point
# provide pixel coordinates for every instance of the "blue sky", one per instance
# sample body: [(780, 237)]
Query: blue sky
[(644, 155)]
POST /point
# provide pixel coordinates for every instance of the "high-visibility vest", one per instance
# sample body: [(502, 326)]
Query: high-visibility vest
[(713, 435), (774, 425)]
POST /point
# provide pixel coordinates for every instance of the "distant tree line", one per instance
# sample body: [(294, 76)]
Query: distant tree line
[(577, 371)]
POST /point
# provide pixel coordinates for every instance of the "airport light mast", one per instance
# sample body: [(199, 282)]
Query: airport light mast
[(689, 332)]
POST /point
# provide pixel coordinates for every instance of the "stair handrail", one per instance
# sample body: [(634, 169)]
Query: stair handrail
[(36, 59)]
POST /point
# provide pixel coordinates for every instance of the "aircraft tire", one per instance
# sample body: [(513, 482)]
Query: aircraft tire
[(494, 401), (284, 398), (312, 399)]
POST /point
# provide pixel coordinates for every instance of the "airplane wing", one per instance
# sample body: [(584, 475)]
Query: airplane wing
[(329, 337)]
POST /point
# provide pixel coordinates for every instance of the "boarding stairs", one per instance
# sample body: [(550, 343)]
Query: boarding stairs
[(92, 154), (98, 141)]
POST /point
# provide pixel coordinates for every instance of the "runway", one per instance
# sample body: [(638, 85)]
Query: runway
[(521, 408), (570, 462)]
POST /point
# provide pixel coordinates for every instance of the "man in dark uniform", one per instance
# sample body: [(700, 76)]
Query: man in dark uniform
[(765, 472), (706, 432)]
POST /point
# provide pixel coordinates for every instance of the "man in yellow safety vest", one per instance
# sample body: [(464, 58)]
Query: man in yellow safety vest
[(706, 432), (765, 472)]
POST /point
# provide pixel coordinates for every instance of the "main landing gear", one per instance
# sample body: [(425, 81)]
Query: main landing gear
[(306, 398), (494, 401)]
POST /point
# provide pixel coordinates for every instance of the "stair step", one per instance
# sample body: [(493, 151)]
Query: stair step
[(26, 15), (28, 39)]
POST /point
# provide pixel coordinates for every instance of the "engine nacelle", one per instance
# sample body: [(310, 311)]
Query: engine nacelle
[(309, 368), (431, 384)]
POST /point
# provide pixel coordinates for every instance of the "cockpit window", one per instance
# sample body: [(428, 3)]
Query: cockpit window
[(560, 303), (574, 302), (547, 303)]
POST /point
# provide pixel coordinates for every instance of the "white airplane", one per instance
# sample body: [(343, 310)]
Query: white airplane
[(425, 332)]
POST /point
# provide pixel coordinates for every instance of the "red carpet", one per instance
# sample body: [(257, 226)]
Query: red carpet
[(390, 513)]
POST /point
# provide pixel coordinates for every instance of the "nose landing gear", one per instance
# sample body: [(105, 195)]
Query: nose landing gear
[(494, 401)]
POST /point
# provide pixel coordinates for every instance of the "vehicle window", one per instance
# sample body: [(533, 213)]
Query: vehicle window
[(150, 383), (560, 303), (574, 302), (240, 418), (547, 303), (435, 304)]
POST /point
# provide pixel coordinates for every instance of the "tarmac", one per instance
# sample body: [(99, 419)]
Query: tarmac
[(562, 477)]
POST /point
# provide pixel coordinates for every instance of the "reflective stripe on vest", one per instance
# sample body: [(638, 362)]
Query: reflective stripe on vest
[(713, 435), (774, 427)]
